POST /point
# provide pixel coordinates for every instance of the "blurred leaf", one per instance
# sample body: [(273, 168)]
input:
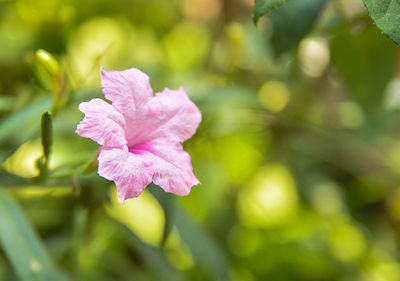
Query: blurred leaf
[(166, 201), (152, 257), (261, 7), (144, 216), (21, 125), (205, 250), (7, 178), (17, 123), (22, 245), (293, 21), (366, 61), (7, 103), (386, 15)]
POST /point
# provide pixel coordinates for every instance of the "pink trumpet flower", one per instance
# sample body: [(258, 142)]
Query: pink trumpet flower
[(141, 134)]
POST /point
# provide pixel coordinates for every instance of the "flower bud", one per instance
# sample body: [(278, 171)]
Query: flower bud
[(48, 62)]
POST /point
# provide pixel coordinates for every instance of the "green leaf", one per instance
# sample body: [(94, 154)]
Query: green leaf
[(152, 257), (293, 21), (261, 7), (23, 247), (386, 15), (17, 123), (365, 60), (205, 250), (7, 179), (18, 127), (167, 203)]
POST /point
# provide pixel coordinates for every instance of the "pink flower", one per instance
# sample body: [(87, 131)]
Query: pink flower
[(141, 134)]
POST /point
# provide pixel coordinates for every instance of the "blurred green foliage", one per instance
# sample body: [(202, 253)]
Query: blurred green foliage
[(298, 151)]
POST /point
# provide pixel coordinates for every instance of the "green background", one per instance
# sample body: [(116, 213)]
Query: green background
[(298, 152)]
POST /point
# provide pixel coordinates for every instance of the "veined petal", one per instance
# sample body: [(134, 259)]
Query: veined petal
[(171, 165), (170, 114), (102, 123), (130, 172), (129, 91)]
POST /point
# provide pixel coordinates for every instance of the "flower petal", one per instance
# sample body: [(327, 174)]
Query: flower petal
[(130, 172), (171, 115), (102, 123), (129, 90), (171, 165)]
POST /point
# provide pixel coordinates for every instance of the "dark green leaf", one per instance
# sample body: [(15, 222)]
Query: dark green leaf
[(166, 201), (261, 7), (152, 257), (365, 61), (386, 15), (23, 247), (293, 21), (205, 250)]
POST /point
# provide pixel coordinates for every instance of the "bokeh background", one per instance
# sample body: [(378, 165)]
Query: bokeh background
[(298, 152)]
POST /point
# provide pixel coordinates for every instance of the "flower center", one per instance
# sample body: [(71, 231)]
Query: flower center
[(140, 148)]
